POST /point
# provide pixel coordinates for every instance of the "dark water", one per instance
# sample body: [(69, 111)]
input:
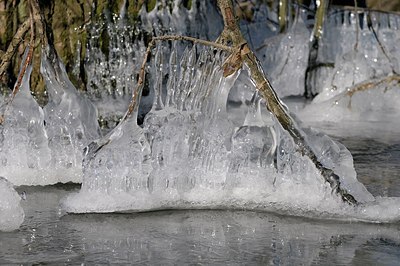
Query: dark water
[(209, 237)]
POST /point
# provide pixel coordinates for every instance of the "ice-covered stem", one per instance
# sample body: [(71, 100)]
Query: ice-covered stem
[(322, 7), (371, 85), (232, 33), (28, 60), (380, 44)]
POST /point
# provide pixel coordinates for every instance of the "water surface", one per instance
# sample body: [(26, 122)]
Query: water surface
[(217, 237)]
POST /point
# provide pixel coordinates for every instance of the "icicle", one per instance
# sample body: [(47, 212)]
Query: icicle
[(199, 79), (172, 78), (187, 89), (180, 94), (71, 119), (253, 117), (159, 69)]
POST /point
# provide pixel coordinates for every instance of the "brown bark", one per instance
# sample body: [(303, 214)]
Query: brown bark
[(12, 48)]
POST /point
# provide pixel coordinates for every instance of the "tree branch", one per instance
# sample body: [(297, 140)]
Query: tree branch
[(12, 47), (274, 105)]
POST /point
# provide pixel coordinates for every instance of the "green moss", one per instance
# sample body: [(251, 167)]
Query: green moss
[(150, 5), (187, 4), (133, 9), (105, 42)]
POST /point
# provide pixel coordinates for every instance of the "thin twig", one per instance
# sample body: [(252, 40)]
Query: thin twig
[(40, 23), (12, 47), (372, 84), (194, 40)]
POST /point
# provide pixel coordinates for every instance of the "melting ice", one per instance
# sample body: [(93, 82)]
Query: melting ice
[(190, 154)]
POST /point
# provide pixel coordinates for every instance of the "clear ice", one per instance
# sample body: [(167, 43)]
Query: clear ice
[(24, 151), (285, 57), (110, 71), (71, 119), (44, 146), (190, 154), (11, 213)]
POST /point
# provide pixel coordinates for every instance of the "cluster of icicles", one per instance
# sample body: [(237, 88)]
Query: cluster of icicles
[(191, 152), (41, 146)]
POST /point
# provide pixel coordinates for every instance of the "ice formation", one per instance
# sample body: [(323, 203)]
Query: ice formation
[(190, 154), (41, 147), (110, 70), (71, 119), (24, 150), (361, 86), (361, 48), (11, 213), (285, 56)]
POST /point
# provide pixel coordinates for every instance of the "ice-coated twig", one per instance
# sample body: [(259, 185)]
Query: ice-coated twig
[(232, 33), (28, 60), (380, 44), (371, 85)]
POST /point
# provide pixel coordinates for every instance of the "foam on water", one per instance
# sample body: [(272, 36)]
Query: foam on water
[(189, 154), (11, 213)]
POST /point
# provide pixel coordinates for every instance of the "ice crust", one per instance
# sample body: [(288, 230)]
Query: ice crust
[(190, 154), (11, 213)]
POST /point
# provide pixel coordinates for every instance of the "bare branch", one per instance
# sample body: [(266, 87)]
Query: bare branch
[(13, 46)]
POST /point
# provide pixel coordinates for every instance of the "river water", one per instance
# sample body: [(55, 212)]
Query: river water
[(217, 237)]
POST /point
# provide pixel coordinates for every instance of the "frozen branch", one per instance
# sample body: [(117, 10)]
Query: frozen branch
[(232, 33)]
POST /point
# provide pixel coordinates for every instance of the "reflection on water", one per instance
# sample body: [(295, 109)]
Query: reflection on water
[(209, 237)]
